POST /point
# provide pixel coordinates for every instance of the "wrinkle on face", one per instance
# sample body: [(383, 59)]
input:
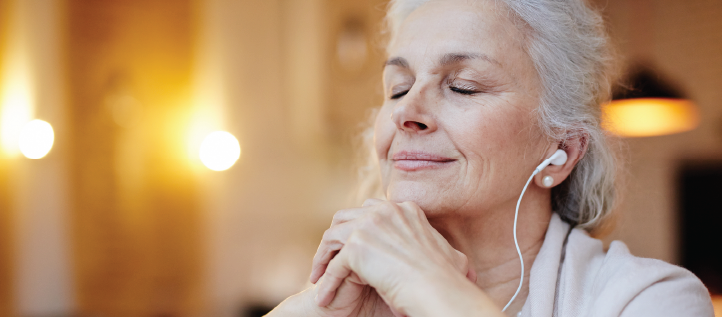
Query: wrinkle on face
[(470, 43)]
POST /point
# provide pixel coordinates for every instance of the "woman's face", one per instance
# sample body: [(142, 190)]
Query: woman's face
[(457, 132)]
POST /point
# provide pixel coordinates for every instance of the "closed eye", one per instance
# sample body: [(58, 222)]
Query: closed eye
[(399, 94), (462, 90)]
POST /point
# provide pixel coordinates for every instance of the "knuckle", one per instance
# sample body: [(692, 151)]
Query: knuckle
[(395, 209), (413, 207), (375, 219), (338, 217), (418, 212), (387, 205), (354, 240), (464, 259), (410, 204), (327, 235)]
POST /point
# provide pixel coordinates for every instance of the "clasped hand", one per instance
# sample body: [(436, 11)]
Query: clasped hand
[(382, 249)]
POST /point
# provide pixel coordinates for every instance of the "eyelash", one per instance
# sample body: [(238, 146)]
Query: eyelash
[(462, 90), (399, 94), (458, 90)]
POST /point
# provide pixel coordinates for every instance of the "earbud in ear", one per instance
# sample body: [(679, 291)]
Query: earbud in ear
[(559, 157)]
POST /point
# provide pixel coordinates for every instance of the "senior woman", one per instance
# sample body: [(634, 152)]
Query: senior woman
[(478, 95)]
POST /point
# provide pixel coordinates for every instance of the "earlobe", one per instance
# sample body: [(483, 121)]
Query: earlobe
[(548, 181), (564, 159), (558, 159)]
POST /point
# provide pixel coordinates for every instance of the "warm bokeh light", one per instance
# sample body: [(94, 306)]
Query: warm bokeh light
[(36, 139), (220, 150), (717, 304), (16, 102), (642, 117)]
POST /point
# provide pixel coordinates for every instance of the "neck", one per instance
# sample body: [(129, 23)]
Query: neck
[(486, 238)]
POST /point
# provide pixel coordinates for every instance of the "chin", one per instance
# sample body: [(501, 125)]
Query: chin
[(428, 197)]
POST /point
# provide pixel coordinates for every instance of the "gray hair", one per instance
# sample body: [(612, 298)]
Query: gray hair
[(568, 45)]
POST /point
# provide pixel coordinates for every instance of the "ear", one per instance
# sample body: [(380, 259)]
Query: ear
[(575, 148)]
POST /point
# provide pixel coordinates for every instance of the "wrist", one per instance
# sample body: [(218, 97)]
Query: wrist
[(451, 294), (301, 304)]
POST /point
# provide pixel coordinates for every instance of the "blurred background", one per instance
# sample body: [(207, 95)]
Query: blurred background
[(125, 200)]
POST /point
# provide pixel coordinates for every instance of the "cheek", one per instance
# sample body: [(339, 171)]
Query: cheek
[(492, 142), (481, 133), (502, 127)]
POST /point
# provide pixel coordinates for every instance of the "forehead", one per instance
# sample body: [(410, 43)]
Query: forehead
[(440, 27)]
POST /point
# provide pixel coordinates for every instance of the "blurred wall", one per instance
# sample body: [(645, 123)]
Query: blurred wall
[(7, 303), (34, 193), (136, 217), (279, 86), (683, 41)]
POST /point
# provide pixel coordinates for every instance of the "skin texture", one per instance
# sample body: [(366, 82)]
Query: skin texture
[(456, 139)]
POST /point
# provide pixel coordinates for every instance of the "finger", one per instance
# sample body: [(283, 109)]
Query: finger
[(399, 215), (411, 209), (395, 312), (335, 237), (333, 240), (347, 294), (462, 261), (318, 269), (415, 217), (336, 272), (327, 249), (372, 202), (346, 215), (325, 295)]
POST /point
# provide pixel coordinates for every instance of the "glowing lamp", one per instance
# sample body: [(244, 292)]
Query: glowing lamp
[(641, 117), (648, 106), (219, 150), (36, 139)]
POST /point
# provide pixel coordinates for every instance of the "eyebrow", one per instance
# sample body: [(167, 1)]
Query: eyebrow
[(453, 58), (447, 59), (397, 61)]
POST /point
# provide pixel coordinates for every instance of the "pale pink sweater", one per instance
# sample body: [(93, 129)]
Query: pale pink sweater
[(592, 282)]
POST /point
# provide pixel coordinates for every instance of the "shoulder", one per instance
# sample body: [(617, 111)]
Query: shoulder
[(621, 284)]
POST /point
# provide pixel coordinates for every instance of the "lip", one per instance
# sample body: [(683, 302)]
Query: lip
[(415, 160)]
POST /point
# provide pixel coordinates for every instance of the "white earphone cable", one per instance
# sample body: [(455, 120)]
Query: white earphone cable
[(516, 243)]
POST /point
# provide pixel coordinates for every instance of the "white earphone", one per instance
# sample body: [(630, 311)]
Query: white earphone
[(558, 158)]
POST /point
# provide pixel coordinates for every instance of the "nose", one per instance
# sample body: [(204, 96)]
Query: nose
[(411, 114)]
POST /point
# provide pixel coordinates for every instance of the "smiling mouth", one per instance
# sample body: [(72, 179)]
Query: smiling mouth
[(414, 161)]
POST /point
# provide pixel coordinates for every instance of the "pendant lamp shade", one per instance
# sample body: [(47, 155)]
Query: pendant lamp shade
[(646, 105)]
